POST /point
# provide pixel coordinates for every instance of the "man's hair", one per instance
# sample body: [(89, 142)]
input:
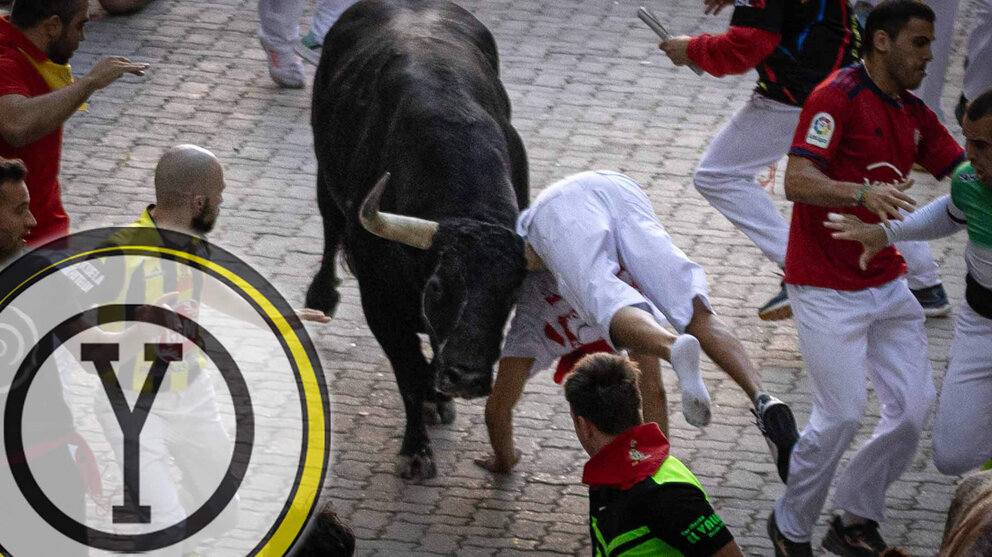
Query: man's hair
[(603, 388), (980, 107), (25, 14), (11, 170), (328, 536), (892, 16)]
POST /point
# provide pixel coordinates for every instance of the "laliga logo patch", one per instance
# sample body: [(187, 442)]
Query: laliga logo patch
[(821, 129)]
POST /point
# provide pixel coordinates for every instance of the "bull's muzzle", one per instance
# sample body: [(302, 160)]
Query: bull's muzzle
[(464, 383)]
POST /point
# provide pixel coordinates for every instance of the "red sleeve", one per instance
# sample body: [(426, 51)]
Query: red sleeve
[(736, 51), (936, 150), (12, 79), (821, 125)]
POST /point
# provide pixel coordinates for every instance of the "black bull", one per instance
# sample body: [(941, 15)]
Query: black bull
[(412, 88)]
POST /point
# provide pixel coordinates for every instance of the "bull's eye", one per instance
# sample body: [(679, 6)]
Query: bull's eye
[(434, 288)]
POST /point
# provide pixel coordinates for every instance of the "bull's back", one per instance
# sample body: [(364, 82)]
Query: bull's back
[(388, 62)]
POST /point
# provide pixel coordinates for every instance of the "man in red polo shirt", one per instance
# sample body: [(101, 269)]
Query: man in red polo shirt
[(38, 94), (859, 134)]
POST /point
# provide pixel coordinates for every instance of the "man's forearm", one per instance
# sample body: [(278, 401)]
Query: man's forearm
[(28, 119), (929, 222), (499, 424), (734, 52), (806, 183)]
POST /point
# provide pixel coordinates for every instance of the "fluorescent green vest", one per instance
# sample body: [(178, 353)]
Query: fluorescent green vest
[(640, 542)]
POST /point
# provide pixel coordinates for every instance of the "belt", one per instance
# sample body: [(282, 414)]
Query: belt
[(978, 297)]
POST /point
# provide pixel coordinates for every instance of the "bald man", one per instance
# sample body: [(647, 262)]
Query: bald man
[(189, 188), (186, 429)]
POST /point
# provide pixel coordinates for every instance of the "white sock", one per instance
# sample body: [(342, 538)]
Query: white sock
[(695, 398)]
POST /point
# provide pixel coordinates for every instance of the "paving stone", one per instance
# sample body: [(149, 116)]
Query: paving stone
[(589, 89)]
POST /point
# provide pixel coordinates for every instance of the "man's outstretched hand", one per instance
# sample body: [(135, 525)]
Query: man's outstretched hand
[(496, 465), (850, 227), (312, 315), (110, 69)]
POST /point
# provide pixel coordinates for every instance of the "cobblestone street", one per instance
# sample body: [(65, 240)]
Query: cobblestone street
[(590, 90)]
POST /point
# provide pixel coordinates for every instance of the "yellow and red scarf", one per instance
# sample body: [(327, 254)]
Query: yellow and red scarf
[(55, 75)]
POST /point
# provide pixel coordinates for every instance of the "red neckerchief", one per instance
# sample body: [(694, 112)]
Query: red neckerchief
[(84, 458), (568, 361), (12, 37), (630, 458)]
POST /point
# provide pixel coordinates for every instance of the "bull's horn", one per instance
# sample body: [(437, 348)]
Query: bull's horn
[(411, 231), (534, 262)]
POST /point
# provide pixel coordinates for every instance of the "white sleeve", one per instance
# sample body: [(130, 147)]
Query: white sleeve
[(523, 340), (936, 219)]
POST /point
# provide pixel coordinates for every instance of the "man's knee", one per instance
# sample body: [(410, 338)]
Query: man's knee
[(954, 453), (954, 460), (707, 181), (703, 319), (919, 404), (846, 417)]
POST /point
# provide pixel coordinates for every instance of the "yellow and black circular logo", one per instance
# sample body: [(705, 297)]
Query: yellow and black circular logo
[(157, 396)]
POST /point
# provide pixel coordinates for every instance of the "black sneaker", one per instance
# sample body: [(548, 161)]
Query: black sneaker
[(857, 540), (777, 308), (784, 547), (778, 425), (934, 300)]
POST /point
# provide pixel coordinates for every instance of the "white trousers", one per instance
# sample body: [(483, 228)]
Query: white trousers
[(962, 430), (593, 222), (978, 74), (185, 428), (758, 135), (280, 20), (932, 87), (921, 269), (844, 337)]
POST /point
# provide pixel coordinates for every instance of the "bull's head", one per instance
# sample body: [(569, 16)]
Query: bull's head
[(466, 299)]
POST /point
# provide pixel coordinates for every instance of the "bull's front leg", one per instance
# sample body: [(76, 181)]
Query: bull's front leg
[(414, 378), (416, 459)]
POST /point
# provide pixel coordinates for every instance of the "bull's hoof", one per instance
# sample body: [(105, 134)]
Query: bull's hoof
[(417, 467), (323, 299), (431, 416), (446, 409), (439, 412)]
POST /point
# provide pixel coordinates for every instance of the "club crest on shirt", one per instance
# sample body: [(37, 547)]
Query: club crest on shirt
[(635, 455), (916, 137), (821, 129)]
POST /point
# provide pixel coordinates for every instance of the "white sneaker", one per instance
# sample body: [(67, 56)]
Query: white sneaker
[(308, 48), (285, 68)]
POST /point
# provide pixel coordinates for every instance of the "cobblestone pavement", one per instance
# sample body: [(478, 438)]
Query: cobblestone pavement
[(590, 90)]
